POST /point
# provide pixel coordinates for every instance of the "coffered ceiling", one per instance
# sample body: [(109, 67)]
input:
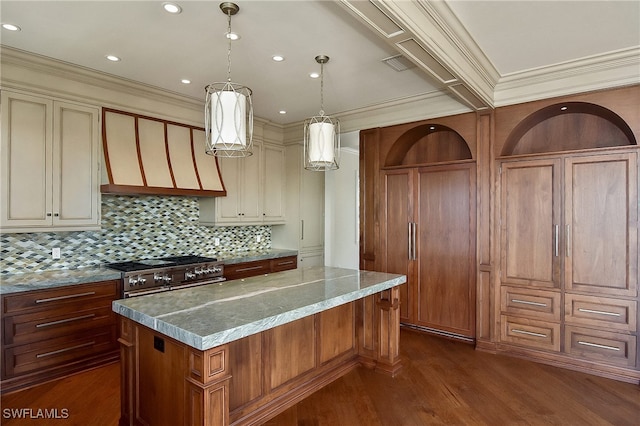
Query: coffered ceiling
[(479, 53)]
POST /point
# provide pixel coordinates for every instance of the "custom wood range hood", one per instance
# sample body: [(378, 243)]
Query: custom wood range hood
[(146, 155)]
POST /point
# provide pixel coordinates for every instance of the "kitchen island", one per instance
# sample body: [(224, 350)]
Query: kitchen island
[(243, 351)]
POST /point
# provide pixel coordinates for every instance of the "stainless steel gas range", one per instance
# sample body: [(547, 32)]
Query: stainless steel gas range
[(148, 276)]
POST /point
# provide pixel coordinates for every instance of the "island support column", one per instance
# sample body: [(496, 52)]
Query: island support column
[(166, 383), (379, 331)]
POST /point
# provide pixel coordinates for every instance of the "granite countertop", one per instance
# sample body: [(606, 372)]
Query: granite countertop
[(208, 316), (15, 283), (57, 278), (250, 256)]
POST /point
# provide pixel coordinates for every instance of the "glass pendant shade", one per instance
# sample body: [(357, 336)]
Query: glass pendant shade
[(322, 143), (228, 120)]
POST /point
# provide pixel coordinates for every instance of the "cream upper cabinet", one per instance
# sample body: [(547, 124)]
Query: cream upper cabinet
[(304, 199), (273, 203), (49, 152), (255, 189)]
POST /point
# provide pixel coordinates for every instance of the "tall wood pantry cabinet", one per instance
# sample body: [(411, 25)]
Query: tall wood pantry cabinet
[(418, 218), (568, 225), (50, 164), (429, 224)]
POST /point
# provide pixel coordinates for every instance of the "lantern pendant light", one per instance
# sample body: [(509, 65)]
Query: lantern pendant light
[(228, 109), (321, 134)]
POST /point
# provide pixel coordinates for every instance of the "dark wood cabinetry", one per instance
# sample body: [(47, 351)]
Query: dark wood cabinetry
[(568, 237), (48, 334), (569, 232), (429, 235), (418, 218), (237, 271)]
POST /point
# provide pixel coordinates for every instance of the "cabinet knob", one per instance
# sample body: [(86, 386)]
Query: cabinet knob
[(49, 214), (56, 214)]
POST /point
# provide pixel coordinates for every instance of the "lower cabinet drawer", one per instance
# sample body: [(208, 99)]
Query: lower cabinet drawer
[(604, 312), (530, 333), (539, 304), (58, 297), (61, 350), (610, 348), (33, 327), (284, 263), (246, 269)]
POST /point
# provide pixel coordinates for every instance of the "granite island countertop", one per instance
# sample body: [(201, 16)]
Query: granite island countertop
[(211, 315)]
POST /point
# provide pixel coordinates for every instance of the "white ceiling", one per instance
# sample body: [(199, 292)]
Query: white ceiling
[(160, 49)]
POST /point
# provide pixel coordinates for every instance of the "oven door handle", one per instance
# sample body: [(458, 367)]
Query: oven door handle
[(145, 292), (199, 283)]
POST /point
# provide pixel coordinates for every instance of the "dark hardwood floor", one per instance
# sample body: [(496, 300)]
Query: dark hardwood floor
[(443, 382)]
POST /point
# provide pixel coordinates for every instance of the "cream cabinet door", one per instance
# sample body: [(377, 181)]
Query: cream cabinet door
[(243, 184), (252, 186), (273, 199), (50, 165), (75, 165), (26, 161), (311, 210), (227, 208)]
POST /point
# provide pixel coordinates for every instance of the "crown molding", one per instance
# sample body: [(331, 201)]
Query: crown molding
[(437, 42), (82, 75), (605, 71), (51, 77)]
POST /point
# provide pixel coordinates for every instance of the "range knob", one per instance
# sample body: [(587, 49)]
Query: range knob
[(167, 278), (139, 280), (189, 275)]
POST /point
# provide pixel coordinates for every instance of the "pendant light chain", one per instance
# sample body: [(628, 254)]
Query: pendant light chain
[(322, 89), (229, 50)]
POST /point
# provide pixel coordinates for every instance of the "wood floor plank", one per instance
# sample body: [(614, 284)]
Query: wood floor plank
[(443, 382)]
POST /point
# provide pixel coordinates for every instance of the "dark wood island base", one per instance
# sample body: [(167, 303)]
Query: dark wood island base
[(250, 380)]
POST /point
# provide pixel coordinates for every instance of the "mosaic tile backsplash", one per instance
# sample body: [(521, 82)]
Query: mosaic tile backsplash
[(133, 227)]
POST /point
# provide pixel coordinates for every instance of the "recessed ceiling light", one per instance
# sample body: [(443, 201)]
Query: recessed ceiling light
[(278, 58), (232, 36), (112, 58), (282, 111), (314, 75), (185, 81), (432, 128), (11, 27), (172, 8), (564, 108)]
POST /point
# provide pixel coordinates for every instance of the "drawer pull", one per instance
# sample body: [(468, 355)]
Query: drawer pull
[(590, 311), (595, 345), (526, 302), (528, 333), (65, 350), (69, 296), (252, 268), (48, 324), (285, 263)]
